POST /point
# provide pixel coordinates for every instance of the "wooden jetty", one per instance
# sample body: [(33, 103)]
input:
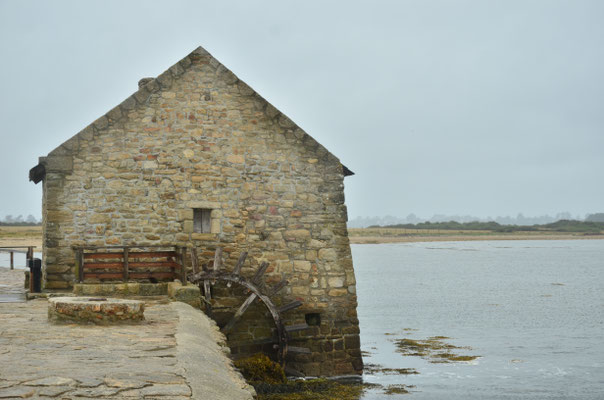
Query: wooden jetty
[(28, 250)]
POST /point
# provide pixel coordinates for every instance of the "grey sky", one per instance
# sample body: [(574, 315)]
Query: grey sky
[(452, 107)]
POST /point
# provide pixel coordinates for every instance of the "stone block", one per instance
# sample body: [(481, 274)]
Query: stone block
[(336, 281), (150, 164), (57, 269), (352, 342), (203, 204), (202, 236), (215, 226), (189, 294), (235, 158), (284, 266), (57, 284), (327, 254), (59, 216), (300, 290), (185, 214), (99, 219), (298, 235), (338, 292), (301, 266), (153, 289)]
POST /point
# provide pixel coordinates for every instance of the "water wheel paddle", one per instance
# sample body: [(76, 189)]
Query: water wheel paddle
[(206, 278)]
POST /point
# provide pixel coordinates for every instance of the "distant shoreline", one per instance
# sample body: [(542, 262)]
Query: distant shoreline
[(32, 236), (455, 237)]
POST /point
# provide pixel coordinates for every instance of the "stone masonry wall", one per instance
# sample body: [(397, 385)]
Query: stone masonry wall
[(197, 137)]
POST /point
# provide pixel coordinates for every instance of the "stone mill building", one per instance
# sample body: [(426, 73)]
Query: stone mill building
[(196, 158)]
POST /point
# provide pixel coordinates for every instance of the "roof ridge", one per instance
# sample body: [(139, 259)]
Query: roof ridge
[(164, 81)]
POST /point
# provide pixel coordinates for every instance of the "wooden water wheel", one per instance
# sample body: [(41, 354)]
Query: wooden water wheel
[(206, 278)]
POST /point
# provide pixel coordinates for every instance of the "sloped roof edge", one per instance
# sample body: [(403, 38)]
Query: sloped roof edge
[(164, 81)]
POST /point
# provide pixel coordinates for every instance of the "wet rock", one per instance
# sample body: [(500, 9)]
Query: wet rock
[(100, 391), (89, 382), (51, 381), (53, 391), (17, 392), (166, 390), (125, 383)]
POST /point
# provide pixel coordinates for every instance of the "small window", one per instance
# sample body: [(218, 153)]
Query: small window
[(201, 220), (313, 319)]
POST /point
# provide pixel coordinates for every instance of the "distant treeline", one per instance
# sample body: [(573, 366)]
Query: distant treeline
[(564, 225), (520, 219), (22, 223), (30, 220)]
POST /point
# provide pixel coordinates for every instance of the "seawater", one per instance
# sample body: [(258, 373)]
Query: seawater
[(19, 259), (532, 310)]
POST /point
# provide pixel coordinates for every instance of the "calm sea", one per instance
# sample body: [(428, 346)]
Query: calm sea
[(533, 311), (18, 259)]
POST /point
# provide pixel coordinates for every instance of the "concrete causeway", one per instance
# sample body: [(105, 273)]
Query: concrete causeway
[(176, 353)]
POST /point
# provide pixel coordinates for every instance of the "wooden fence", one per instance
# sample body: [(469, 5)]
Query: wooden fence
[(124, 263)]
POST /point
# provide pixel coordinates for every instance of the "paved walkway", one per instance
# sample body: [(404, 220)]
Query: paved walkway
[(11, 285), (172, 355)]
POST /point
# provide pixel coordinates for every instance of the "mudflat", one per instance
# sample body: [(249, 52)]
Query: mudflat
[(395, 235), (21, 236), (32, 235)]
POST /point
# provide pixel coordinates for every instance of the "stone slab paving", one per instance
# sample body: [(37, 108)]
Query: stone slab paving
[(39, 359)]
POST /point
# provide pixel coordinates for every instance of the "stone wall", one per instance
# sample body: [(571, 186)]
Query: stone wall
[(197, 137)]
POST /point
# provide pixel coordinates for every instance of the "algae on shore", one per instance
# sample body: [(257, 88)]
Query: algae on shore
[(270, 383), (378, 369), (259, 369), (433, 349), (398, 389)]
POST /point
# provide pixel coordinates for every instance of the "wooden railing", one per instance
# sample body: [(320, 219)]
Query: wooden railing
[(124, 263), (29, 253)]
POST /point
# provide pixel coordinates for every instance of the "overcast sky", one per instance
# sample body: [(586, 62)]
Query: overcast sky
[(451, 107)]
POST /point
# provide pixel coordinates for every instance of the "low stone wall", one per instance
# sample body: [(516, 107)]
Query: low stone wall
[(120, 289), (188, 293), (100, 311), (203, 353)]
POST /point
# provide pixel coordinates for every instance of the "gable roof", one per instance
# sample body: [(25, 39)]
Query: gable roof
[(162, 82)]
